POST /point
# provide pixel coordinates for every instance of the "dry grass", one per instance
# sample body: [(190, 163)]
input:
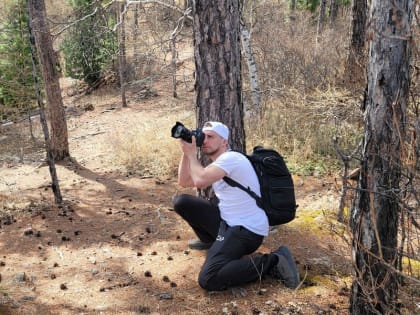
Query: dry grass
[(147, 149), (302, 127)]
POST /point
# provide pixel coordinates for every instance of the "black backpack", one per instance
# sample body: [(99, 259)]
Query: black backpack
[(277, 189)]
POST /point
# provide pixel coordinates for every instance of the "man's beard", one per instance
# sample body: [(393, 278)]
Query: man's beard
[(210, 152)]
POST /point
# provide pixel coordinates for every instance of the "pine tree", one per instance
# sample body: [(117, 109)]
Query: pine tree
[(90, 45), (16, 80)]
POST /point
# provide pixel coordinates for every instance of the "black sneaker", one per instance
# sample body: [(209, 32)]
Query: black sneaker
[(198, 244), (286, 268)]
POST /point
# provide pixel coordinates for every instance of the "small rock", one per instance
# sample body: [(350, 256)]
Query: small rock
[(165, 296), (21, 277), (27, 298)]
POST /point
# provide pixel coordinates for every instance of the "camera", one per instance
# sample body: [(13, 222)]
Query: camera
[(179, 131)]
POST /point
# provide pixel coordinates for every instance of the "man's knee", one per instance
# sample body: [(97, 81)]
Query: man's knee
[(209, 282), (180, 202), (204, 282)]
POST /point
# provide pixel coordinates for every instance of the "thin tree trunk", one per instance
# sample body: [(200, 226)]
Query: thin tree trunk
[(121, 55), (50, 156), (321, 16), (136, 33), (355, 71), (255, 108), (173, 64), (136, 21), (333, 11), (59, 137), (374, 219)]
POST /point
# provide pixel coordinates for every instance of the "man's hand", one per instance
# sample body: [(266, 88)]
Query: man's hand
[(189, 149)]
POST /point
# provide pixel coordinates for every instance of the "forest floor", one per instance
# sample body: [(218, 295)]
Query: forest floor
[(115, 246)]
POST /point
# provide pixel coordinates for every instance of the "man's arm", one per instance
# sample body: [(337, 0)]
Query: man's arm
[(203, 177), (184, 177), (190, 171)]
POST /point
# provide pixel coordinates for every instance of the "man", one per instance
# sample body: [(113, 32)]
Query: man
[(236, 226)]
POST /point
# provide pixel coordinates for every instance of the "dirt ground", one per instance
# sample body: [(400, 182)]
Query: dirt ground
[(115, 246)]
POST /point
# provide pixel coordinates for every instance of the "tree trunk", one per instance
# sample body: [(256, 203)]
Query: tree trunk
[(218, 66), (121, 53), (355, 73), (374, 219), (136, 22), (321, 16), (50, 157), (292, 13), (254, 110), (173, 64), (333, 11), (59, 137)]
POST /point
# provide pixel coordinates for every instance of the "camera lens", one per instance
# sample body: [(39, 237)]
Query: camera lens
[(177, 132)]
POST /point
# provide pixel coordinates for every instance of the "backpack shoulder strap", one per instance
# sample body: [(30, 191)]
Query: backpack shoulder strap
[(234, 183)]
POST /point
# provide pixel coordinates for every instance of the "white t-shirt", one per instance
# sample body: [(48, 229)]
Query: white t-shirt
[(236, 206)]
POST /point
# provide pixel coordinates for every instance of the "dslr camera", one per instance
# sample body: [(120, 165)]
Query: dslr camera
[(179, 131)]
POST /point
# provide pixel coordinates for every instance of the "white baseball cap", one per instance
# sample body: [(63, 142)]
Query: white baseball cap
[(218, 128)]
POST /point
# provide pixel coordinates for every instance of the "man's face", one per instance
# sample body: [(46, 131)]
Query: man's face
[(212, 143)]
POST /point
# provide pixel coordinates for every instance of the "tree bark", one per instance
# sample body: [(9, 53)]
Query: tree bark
[(217, 54), (59, 137), (50, 157), (374, 218)]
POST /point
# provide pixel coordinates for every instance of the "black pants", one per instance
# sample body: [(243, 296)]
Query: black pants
[(228, 263)]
